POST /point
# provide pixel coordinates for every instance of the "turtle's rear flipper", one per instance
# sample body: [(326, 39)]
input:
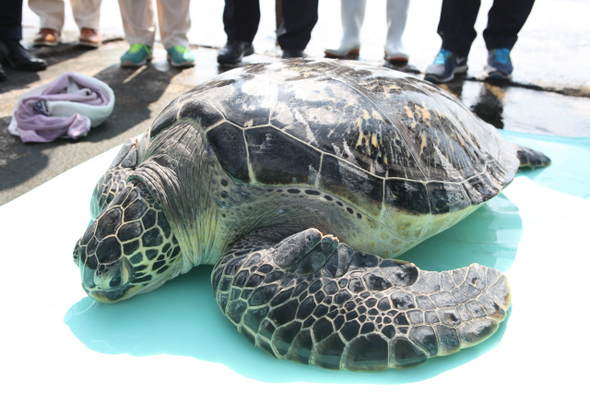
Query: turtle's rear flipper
[(530, 158), (314, 300)]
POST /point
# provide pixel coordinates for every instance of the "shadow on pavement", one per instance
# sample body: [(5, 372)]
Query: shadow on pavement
[(135, 91)]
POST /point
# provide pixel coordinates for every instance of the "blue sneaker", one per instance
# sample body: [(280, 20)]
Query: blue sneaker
[(136, 56), (445, 66), (499, 64), (180, 56)]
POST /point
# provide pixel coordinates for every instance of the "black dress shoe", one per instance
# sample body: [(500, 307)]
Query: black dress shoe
[(234, 51), (293, 53), (20, 59), (2, 74)]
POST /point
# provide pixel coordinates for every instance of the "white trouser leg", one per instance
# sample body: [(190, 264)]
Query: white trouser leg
[(86, 13), (138, 21), (352, 15), (397, 14), (51, 13), (175, 22)]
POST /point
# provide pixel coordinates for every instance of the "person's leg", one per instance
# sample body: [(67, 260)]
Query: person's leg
[(11, 51), (352, 14), (86, 13), (299, 19), (11, 20), (240, 22), (87, 16), (241, 19), (51, 14), (140, 31), (456, 25), (397, 14), (505, 20), (139, 21), (175, 22), (456, 29)]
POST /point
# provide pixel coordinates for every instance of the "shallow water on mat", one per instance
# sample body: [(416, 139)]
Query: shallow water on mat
[(182, 318)]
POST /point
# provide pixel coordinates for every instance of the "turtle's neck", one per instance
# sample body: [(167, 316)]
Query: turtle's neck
[(177, 173)]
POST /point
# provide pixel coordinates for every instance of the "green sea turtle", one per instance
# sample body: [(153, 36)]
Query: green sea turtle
[(300, 180)]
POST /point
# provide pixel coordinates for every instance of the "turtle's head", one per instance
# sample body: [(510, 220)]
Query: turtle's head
[(128, 249)]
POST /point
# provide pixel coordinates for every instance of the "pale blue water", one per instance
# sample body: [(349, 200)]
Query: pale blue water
[(569, 172), (183, 319)]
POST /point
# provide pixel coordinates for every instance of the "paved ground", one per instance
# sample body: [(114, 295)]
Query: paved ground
[(550, 93)]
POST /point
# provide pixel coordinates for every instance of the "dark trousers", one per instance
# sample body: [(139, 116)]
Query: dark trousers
[(11, 16), (505, 19), (241, 19)]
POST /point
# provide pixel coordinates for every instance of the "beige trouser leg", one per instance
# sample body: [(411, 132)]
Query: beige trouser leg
[(86, 13), (140, 25), (138, 21), (175, 22), (51, 13)]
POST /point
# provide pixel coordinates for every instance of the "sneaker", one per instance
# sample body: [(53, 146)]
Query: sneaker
[(180, 56), (499, 64), (445, 66), (136, 56)]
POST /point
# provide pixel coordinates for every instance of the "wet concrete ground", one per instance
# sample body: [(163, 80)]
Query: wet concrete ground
[(550, 92)]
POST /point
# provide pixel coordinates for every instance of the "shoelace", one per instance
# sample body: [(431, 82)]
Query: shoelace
[(502, 55), (442, 56)]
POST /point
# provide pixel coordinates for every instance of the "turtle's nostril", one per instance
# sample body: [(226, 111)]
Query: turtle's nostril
[(108, 277), (115, 281), (120, 274)]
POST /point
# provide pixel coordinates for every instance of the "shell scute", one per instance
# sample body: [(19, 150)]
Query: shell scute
[(278, 159), (447, 197), (352, 184), (227, 141), (480, 188), (248, 101), (413, 195), (202, 112)]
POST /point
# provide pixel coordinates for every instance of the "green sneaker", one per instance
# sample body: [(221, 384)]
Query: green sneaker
[(180, 56), (136, 56)]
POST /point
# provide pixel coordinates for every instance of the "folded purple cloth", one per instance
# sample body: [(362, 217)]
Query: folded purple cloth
[(66, 107)]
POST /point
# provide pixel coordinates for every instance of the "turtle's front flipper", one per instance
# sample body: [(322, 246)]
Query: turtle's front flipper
[(312, 299), (530, 158)]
